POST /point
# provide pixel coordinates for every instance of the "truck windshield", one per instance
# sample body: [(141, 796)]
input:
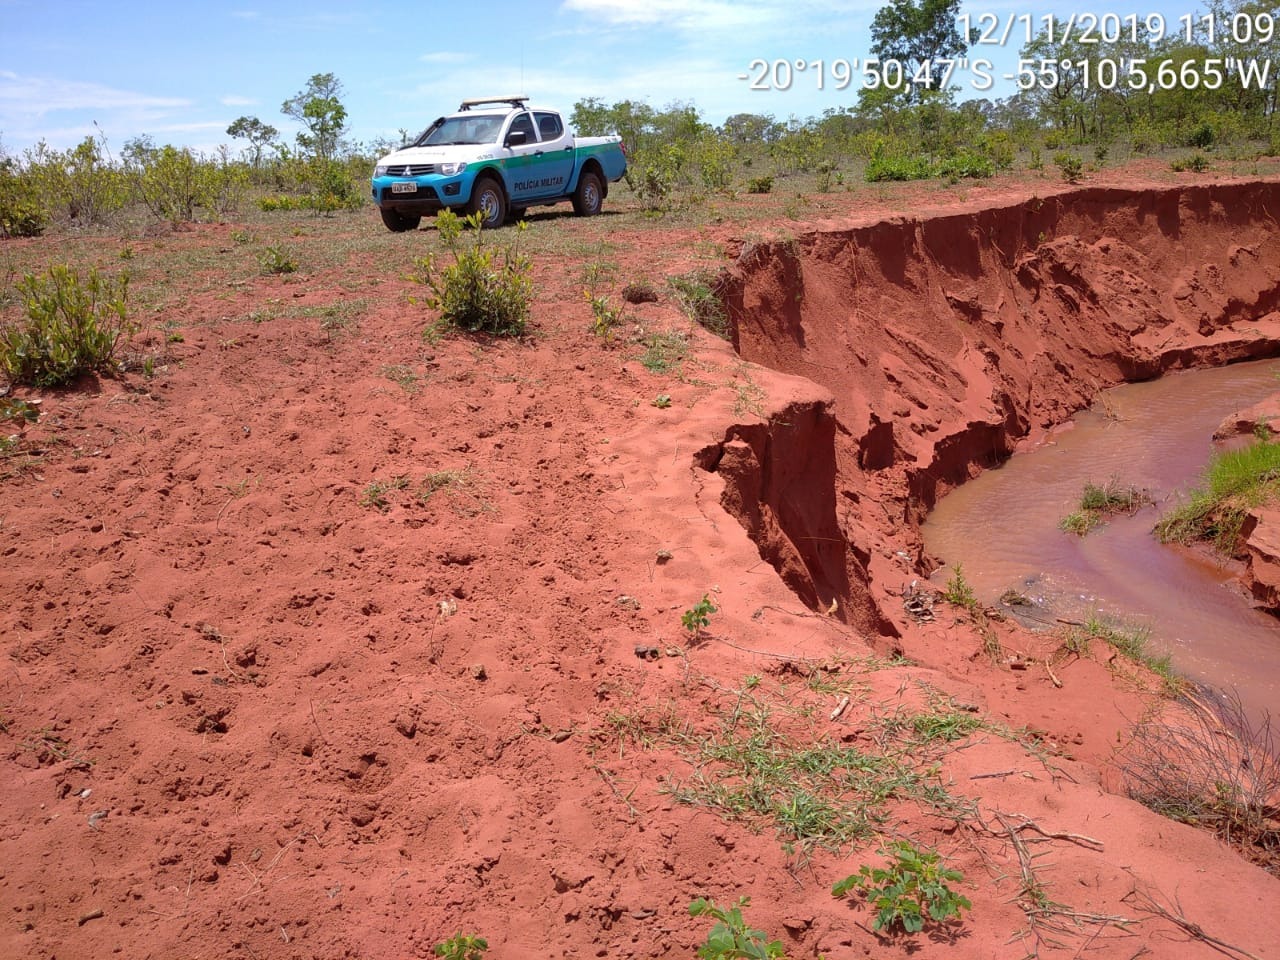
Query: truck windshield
[(461, 130)]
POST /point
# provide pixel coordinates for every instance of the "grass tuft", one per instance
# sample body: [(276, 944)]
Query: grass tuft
[(697, 292), (1234, 482), (1098, 502)]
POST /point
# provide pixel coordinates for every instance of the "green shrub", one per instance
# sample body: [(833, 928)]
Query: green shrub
[(698, 616), (998, 147), (168, 181), (697, 294), (825, 170), (80, 184), (1202, 137), (713, 157), (958, 591), (604, 316), (483, 290), (1070, 165), (1197, 162), (730, 937), (21, 212), (275, 260), (898, 166), (759, 184), (910, 890), (965, 165), (462, 946), (72, 327)]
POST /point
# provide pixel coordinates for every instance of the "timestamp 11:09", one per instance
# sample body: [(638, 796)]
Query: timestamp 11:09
[(990, 29)]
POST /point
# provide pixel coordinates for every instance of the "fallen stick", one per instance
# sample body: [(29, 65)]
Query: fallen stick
[(1052, 676), (1191, 927)]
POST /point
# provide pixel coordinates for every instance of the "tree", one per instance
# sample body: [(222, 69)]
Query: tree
[(751, 128), (319, 109), (915, 31), (258, 134)]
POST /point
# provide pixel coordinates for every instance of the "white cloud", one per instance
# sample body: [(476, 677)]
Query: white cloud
[(38, 96), (231, 100), (445, 56), (246, 14)]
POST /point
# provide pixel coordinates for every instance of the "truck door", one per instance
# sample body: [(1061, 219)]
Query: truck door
[(524, 160), (557, 154)]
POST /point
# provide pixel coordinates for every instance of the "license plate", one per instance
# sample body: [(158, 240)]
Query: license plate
[(404, 187)]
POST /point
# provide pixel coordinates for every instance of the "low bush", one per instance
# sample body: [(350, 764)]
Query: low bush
[(174, 183), (1197, 163), (730, 937), (276, 260), (966, 165), (21, 212), (898, 167), (911, 890), (462, 946), (484, 289), (72, 327), (1071, 166)]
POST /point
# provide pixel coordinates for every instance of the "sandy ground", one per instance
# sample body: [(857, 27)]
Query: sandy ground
[(302, 661)]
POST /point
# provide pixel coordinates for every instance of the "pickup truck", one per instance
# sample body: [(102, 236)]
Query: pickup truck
[(495, 157)]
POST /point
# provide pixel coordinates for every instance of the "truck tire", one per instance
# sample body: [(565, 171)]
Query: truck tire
[(398, 222), (589, 195), (488, 200)]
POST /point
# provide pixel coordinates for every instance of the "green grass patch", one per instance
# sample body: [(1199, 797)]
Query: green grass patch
[(375, 493), (1234, 482), (768, 760), (1099, 501), (697, 294), (663, 352), (1132, 643)]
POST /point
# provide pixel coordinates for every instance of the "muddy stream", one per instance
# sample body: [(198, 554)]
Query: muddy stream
[(1003, 528)]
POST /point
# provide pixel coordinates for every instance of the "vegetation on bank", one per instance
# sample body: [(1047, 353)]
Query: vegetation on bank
[(1234, 482), (896, 125), (1100, 501)]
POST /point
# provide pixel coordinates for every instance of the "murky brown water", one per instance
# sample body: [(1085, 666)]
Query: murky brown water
[(1003, 527)]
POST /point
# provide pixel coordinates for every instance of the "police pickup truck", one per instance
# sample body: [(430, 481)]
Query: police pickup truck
[(495, 157)]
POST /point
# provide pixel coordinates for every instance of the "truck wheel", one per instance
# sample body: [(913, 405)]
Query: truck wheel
[(589, 195), (488, 200), (398, 222)]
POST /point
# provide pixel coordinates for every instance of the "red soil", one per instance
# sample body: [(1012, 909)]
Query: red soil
[(246, 716)]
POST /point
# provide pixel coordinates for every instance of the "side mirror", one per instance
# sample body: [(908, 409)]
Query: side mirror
[(517, 138)]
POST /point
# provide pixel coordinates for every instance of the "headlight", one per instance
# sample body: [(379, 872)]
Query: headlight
[(380, 170), (449, 169)]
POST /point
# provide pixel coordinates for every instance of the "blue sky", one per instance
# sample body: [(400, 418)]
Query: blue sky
[(181, 72)]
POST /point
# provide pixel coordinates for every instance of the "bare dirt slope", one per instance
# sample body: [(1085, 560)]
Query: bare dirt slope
[(308, 657)]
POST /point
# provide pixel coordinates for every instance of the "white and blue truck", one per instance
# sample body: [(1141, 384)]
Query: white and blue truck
[(497, 157)]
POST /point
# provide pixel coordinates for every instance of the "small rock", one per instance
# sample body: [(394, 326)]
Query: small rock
[(478, 672)]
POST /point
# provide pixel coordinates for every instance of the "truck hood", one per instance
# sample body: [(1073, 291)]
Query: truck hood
[(463, 152)]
